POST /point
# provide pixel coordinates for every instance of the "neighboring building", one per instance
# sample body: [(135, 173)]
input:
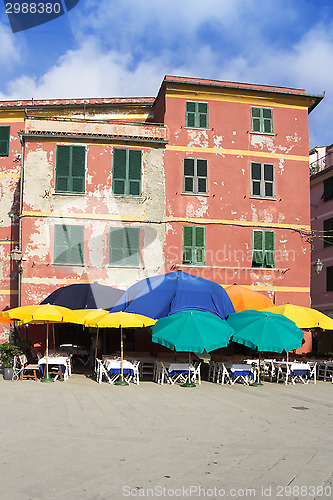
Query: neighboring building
[(321, 185), (209, 177)]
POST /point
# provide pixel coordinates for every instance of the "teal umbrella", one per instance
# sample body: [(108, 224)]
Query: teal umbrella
[(265, 331), (192, 331)]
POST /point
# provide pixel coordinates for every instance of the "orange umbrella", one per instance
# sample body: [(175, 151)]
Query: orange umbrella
[(4, 320), (244, 298)]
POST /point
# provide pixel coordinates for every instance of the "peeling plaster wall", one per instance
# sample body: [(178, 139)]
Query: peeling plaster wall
[(229, 146), (97, 210), (10, 167)]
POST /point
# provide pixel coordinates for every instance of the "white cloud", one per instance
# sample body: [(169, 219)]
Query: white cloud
[(125, 49), (10, 52)]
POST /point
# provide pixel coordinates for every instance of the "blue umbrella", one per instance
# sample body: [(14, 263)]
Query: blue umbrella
[(85, 296), (166, 294)]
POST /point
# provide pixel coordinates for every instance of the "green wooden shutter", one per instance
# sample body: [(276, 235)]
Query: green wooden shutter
[(328, 232), (258, 253), (60, 244), (328, 189), (202, 115), (68, 244), (202, 176), (124, 246), (76, 244), (117, 253), (134, 172), (188, 245), (267, 121), (256, 179), (269, 246), (78, 168), (132, 235), (190, 114), (62, 168), (4, 141), (255, 119), (199, 245), (119, 171), (188, 175), (269, 180)]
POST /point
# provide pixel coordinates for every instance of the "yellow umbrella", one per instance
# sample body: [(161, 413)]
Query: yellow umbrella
[(91, 317), (45, 313), (304, 317), (123, 320)]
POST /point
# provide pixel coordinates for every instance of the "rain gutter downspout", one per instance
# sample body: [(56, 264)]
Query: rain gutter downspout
[(20, 223)]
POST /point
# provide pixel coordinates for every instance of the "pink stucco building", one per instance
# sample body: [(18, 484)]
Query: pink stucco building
[(321, 170), (210, 177)]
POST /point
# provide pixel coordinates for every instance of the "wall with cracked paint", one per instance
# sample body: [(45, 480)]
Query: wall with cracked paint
[(228, 212)]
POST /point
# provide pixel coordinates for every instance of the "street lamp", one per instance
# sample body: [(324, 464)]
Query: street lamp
[(318, 265), (16, 255)]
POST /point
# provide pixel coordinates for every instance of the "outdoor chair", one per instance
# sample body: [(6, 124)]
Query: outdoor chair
[(162, 374), (28, 370), (17, 369), (101, 370), (232, 373), (212, 371), (135, 377), (313, 371), (196, 377)]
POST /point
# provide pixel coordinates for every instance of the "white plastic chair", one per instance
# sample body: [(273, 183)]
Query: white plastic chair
[(17, 369), (196, 377), (101, 370), (161, 374), (136, 376), (27, 370)]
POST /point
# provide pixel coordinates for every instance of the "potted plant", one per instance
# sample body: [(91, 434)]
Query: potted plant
[(8, 350)]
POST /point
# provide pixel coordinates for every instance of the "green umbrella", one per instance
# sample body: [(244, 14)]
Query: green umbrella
[(265, 331), (192, 331)]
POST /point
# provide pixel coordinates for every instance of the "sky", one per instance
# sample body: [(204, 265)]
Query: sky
[(115, 48)]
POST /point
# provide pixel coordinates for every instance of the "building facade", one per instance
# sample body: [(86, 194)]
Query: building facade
[(209, 177), (321, 194)]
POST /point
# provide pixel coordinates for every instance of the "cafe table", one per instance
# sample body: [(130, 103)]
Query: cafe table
[(62, 362), (113, 367)]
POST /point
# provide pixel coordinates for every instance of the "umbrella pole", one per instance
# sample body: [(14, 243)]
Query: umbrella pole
[(47, 377), (188, 382), (121, 380), (53, 336), (96, 348), (258, 381)]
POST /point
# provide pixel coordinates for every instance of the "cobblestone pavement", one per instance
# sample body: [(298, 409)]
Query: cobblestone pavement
[(80, 440)]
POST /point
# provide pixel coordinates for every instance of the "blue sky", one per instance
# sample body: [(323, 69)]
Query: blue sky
[(107, 48)]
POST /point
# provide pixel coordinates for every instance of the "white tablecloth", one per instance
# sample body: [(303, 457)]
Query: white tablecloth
[(115, 364), (179, 367), (54, 360)]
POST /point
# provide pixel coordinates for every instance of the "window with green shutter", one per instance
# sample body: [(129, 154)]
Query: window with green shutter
[(127, 172), (68, 244), (262, 120), (4, 141), (262, 180), (328, 232), (328, 189), (196, 114), (125, 246), (329, 278), (194, 245), (263, 249), (195, 176), (70, 169)]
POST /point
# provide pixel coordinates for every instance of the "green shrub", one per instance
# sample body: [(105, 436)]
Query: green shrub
[(7, 352)]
